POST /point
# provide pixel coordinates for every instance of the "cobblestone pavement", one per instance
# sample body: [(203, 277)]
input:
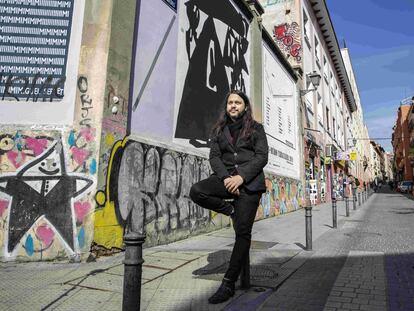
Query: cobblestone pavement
[(367, 264)]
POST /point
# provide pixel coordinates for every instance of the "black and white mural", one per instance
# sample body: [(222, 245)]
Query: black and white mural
[(213, 58)]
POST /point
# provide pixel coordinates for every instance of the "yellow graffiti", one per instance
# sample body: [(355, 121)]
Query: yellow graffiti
[(109, 139), (108, 232)]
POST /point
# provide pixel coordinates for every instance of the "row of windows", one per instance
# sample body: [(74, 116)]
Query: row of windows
[(332, 126)]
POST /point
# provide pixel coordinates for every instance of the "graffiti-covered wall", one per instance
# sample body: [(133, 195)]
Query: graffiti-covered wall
[(182, 68), (286, 32), (50, 141), (283, 195), (149, 187), (44, 208)]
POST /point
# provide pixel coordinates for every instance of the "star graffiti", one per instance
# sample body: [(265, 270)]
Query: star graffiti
[(43, 188)]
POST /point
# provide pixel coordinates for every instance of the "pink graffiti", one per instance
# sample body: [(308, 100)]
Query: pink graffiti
[(81, 210), (17, 158), (37, 145), (87, 133), (79, 155), (45, 234), (285, 37), (3, 206)]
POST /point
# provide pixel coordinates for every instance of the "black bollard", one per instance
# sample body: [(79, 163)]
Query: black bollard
[(347, 205), (354, 199), (359, 198), (334, 213), (245, 274), (308, 223), (131, 300)]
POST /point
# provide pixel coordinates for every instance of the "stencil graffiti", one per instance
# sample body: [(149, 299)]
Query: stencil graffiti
[(217, 63), (153, 185), (287, 38), (42, 190)]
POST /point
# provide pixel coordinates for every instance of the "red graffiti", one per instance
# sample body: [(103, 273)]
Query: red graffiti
[(285, 38)]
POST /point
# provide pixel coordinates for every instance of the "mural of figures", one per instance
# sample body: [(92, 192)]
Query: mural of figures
[(282, 195), (42, 189), (216, 42)]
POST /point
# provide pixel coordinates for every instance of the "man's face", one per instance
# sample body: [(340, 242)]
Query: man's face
[(235, 107)]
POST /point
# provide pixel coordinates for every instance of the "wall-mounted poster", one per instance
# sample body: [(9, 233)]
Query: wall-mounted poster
[(154, 71), (280, 117), (39, 56), (213, 58)]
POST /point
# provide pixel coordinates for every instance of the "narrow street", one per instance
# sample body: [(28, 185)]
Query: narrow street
[(365, 264), (368, 264)]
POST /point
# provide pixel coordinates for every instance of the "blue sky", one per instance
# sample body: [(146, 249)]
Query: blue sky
[(380, 37)]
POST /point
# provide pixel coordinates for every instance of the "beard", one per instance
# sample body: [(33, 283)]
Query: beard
[(236, 117)]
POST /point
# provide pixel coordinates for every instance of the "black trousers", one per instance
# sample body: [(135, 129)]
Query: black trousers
[(210, 193)]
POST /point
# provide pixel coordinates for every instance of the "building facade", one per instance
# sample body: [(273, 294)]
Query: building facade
[(359, 142), (115, 124), (401, 144), (304, 32)]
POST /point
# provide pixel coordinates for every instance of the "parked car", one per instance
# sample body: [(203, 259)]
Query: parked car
[(405, 186)]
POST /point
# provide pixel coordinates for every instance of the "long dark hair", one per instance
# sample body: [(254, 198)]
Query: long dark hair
[(247, 118)]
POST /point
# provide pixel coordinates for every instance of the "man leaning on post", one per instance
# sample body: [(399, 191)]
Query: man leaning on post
[(238, 154)]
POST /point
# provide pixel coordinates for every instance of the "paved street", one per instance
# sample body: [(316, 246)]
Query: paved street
[(365, 264)]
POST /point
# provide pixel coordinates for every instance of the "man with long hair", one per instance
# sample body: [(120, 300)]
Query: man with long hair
[(238, 154)]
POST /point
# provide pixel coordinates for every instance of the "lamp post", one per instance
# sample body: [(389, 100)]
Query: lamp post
[(315, 79)]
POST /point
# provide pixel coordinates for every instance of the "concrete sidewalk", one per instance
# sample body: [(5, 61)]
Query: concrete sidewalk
[(177, 276)]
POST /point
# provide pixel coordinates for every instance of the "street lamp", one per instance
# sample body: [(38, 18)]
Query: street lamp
[(315, 79)]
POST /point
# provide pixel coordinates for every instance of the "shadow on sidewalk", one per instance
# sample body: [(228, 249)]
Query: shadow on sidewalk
[(309, 281)]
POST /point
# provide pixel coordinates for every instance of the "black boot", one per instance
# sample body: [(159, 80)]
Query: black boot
[(224, 293)]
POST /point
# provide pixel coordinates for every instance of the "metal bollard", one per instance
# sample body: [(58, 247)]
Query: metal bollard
[(354, 199), (359, 198), (362, 197), (131, 300), (347, 206), (308, 222), (334, 213), (245, 274)]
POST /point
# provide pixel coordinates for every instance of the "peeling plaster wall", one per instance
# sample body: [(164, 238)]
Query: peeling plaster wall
[(48, 172)]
